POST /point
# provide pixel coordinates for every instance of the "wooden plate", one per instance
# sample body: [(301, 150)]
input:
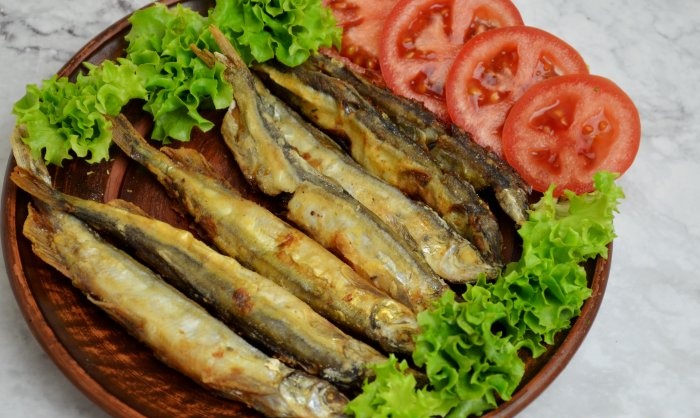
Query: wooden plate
[(108, 365)]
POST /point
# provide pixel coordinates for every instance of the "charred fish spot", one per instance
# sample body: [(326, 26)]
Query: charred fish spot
[(421, 178), (287, 241), (242, 301), (218, 353)]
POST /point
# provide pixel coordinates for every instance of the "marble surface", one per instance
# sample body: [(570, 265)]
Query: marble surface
[(641, 357)]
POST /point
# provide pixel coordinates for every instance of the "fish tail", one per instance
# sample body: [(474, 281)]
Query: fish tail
[(37, 187), (207, 56), (227, 49), (24, 158), (130, 140)]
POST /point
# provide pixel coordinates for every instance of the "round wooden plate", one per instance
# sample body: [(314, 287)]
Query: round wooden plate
[(108, 365)]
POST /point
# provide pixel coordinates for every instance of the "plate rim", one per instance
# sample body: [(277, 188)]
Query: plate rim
[(115, 406)]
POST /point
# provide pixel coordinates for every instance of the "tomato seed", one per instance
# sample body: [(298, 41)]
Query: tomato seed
[(477, 26)]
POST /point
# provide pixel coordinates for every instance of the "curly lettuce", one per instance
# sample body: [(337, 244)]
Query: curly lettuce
[(64, 119), (545, 289), (393, 394), (61, 116), (288, 30), (469, 348), (178, 83)]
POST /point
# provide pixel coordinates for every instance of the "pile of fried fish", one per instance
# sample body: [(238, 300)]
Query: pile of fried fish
[(382, 215)]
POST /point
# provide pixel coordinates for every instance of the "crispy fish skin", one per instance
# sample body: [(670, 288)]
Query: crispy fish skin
[(263, 242), (261, 309), (453, 149), (180, 332), (376, 143), (348, 228)]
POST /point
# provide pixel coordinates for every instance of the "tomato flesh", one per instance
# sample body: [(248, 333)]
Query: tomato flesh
[(362, 22), (422, 37), (565, 129), (489, 83), (494, 69)]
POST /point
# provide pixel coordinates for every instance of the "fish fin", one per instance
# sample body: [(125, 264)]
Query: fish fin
[(194, 161), (128, 206), (39, 229), (37, 187)]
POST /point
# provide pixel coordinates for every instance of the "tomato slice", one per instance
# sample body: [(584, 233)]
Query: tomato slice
[(494, 69), (422, 37), (563, 130), (362, 22)]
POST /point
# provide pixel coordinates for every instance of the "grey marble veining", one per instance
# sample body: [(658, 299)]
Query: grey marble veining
[(641, 356)]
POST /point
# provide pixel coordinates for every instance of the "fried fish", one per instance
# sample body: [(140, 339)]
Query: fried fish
[(256, 306), (253, 130), (377, 144), (179, 331), (453, 149)]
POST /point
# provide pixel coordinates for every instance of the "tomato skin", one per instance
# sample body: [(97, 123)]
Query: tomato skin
[(565, 129), (495, 68), (421, 38)]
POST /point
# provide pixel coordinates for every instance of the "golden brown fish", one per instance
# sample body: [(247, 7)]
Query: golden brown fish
[(180, 332), (377, 144), (263, 242), (262, 310), (453, 149), (252, 128)]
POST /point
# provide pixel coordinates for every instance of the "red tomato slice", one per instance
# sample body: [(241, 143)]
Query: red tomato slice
[(422, 37), (362, 22), (565, 129), (494, 69)]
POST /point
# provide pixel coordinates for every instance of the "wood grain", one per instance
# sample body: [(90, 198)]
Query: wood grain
[(108, 365)]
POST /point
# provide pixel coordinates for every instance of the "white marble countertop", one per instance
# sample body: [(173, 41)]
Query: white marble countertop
[(641, 356)]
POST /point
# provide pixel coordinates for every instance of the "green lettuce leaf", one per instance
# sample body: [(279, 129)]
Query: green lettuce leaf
[(546, 288), (393, 394), (179, 84), (289, 30), (64, 119), (63, 116), (464, 353)]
